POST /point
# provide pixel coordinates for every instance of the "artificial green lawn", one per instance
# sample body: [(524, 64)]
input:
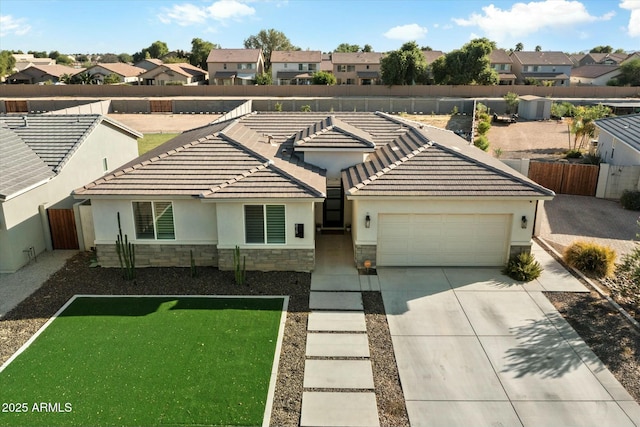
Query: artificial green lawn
[(145, 361), (152, 140)]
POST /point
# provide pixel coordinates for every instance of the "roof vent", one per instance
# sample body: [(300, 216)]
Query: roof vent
[(26, 123)]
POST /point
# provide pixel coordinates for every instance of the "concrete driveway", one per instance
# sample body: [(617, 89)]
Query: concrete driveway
[(474, 347), (568, 218)]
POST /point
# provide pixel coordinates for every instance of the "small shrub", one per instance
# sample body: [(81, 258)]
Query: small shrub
[(630, 200), (497, 152), (523, 267), (481, 142), (481, 108), (483, 127), (483, 117), (573, 154), (590, 258), (305, 108), (277, 106), (454, 110)]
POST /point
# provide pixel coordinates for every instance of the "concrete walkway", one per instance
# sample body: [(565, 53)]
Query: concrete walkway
[(15, 287), (474, 347), (338, 378)]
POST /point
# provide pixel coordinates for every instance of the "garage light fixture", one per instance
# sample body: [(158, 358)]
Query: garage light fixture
[(523, 222), (367, 221)]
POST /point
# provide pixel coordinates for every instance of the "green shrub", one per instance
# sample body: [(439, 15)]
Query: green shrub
[(481, 142), (590, 258), (483, 127), (626, 282), (483, 117), (306, 108), (630, 200), (523, 267), (454, 110), (277, 106), (573, 154)]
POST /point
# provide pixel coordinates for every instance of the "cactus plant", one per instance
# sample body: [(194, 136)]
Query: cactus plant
[(126, 254), (239, 270)]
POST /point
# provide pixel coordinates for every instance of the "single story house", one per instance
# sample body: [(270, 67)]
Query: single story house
[(271, 183), (594, 74), (44, 158), (40, 74), (125, 72), (179, 73)]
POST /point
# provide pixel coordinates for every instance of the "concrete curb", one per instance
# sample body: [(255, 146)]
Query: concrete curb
[(594, 286)]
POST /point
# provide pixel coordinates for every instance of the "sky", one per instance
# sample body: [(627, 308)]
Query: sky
[(118, 26)]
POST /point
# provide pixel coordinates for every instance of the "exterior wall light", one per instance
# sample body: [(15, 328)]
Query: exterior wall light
[(523, 221), (367, 221)]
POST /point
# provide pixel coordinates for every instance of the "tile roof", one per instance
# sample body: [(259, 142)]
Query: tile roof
[(356, 57), (312, 56), (428, 161), (623, 128), (332, 133), (593, 70), (499, 56), (541, 58), (120, 68), (234, 55), (185, 68), (557, 76), (432, 55), (20, 165)]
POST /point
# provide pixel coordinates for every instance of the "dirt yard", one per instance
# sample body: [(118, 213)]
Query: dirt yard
[(444, 121), (163, 123), (529, 140)]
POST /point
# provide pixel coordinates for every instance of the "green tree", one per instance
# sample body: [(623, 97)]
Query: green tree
[(467, 65), (64, 60), (200, 50), (519, 47), (426, 48), (619, 50), (601, 49), (82, 79), (264, 79), (38, 54), (82, 58), (367, 48), (346, 47), (324, 78), (54, 54), (630, 73), (66, 78), (268, 41), (406, 66), (109, 58), (538, 48), (7, 63), (125, 58), (156, 50), (112, 79), (511, 98)]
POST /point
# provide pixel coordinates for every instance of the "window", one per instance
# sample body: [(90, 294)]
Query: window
[(105, 164), (154, 220), (342, 68), (300, 67), (311, 67), (224, 66), (264, 224), (351, 68)]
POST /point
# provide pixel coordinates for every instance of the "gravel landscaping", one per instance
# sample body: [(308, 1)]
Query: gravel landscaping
[(76, 277)]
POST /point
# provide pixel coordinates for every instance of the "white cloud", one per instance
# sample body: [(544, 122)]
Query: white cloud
[(527, 18), (406, 32), (11, 25), (221, 10), (633, 29)]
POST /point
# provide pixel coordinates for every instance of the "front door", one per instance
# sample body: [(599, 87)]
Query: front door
[(333, 208)]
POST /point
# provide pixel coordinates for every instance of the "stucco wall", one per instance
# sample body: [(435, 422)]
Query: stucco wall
[(334, 161), (623, 155)]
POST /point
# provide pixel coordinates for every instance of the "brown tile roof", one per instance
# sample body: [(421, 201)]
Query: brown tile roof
[(120, 68), (185, 68), (234, 55), (332, 133), (541, 58), (500, 56), (311, 56), (600, 57), (432, 55), (593, 70), (356, 57)]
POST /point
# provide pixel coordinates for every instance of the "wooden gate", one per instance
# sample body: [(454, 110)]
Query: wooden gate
[(16, 107), (566, 178), (161, 106), (63, 229)]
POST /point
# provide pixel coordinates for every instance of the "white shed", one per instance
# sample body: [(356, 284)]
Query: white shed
[(534, 108)]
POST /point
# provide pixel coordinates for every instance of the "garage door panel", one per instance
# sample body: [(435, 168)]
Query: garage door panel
[(442, 240)]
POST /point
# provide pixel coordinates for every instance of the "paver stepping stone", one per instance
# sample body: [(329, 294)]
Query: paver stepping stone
[(337, 345), (338, 374), (339, 409), (335, 300), (327, 282), (338, 321)]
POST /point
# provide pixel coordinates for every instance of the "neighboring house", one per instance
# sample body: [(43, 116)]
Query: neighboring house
[(149, 64), (44, 158), (295, 67), (181, 73), (429, 57), (501, 62), (542, 67), (594, 74), (602, 58), (127, 73), (326, 64), (234, 66), (356, 68), (619, 140), (40, 74), (412, 195), (26, 60)]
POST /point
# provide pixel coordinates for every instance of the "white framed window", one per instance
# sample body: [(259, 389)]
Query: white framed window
[(265, 224), (342, 68), (154, 220), (105, 164)]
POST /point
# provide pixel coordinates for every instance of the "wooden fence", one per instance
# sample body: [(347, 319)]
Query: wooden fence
[(63, 229), (565, 178)]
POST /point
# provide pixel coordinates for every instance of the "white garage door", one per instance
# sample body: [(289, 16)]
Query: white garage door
[(440, 240)]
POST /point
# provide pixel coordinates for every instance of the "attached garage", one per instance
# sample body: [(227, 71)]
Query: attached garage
[(443, 239)]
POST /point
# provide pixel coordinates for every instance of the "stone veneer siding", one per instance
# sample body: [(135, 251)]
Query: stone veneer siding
[(365, 252), (270, 259), (161, 255)]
